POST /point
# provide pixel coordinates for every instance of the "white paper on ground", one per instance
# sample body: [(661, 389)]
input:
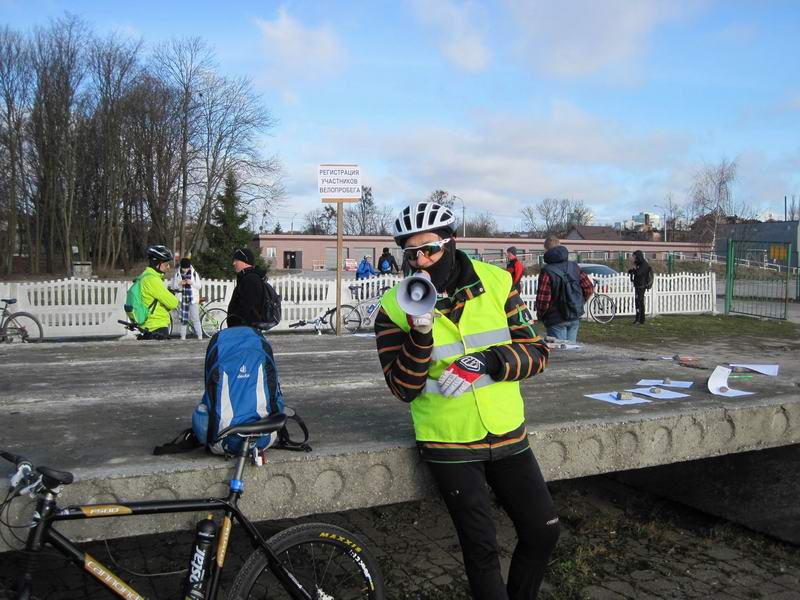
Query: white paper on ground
[(719, 379), (610, 397), (366, 335), (677, 384), (771, 370), (662, 395)]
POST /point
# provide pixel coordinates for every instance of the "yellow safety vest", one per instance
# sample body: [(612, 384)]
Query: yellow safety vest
[(489, 406)]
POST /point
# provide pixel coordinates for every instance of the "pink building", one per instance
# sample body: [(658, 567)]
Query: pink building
[(318, 252)]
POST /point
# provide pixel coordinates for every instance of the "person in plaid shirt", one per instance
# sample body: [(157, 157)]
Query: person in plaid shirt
[(553, 284)]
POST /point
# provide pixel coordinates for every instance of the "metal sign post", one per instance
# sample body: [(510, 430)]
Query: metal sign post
[(339, 183)]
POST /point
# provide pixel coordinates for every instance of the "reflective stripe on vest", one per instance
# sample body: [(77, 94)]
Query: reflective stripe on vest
[(488, 406), (474, 340)]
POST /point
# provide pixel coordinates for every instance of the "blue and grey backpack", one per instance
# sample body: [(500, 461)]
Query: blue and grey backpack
[(241, 386)]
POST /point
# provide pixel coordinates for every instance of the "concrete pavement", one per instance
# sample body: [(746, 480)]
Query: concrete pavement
[(99, 408)]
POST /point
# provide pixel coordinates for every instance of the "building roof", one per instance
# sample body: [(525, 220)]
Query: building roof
[(592, 232)]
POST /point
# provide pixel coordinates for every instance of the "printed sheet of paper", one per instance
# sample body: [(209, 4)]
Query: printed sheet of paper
[(662, 395), (611, 397), (719, 380), (677, 384), (771, 370)]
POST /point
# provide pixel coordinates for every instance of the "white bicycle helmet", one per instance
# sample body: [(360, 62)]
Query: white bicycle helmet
[(421, 217)]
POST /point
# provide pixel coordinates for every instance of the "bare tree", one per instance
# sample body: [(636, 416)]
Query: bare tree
[(712, 195), (793, 211), (481, 225), (232, 118), (442, 197), (359, 218), (15, 97), (59, 67), (182, 63), (321, 221), (113, 65), (530, 219)]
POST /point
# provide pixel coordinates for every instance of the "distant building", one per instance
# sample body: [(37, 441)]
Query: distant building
[(767, 240), (593, 232), (286, 251)]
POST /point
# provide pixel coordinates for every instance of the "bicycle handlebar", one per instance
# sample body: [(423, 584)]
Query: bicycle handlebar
[(13, 458)]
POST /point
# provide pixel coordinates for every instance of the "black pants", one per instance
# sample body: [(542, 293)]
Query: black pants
[(162, 333), (639, 303), (520, 488)]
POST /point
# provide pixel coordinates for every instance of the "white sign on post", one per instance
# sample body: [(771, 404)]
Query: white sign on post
[(339, 183)]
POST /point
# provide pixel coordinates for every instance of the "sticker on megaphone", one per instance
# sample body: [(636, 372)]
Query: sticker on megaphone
[(416, 294)]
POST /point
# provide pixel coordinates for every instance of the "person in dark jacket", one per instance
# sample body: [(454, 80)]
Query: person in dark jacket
[(642, 279), (387, 263), (515, 267), (556, 279), (247, 301)]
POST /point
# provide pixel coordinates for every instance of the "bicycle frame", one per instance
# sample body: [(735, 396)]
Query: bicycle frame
[(47, 513)]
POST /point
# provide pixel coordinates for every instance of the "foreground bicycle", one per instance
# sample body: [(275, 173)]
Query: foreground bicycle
[(18, 326), (314, 561)]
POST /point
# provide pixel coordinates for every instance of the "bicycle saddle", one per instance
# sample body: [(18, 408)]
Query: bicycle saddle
[(52, 478), (265, 425), (9, 300)]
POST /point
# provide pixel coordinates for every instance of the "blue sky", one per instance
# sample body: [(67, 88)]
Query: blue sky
[(614, 102)]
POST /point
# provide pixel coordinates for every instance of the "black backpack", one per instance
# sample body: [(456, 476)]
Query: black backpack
[(271, 307), (567, 291)]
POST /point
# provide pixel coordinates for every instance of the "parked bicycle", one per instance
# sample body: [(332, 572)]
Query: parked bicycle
[(211, 319), (314, 561), (320, 321), (601, 307), (18, 326), (364, 311)]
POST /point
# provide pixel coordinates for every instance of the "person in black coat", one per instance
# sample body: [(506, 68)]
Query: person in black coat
[(247, 301), (642, 278)]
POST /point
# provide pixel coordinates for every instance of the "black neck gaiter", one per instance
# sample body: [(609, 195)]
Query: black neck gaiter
[(444, 272)]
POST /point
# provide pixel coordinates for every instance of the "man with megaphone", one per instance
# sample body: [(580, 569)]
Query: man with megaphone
[(454, 339)]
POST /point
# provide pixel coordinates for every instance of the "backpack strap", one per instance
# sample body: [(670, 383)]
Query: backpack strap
[(186, 441), (285, 442)]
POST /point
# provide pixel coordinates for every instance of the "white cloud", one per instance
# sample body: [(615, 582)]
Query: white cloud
[(296, 52), (580, 38), (499, 163), (456, 34)]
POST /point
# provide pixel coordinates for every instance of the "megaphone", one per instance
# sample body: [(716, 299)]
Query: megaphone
[(416, 294)]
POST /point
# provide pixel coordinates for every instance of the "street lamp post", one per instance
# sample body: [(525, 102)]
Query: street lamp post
[(463, 215)]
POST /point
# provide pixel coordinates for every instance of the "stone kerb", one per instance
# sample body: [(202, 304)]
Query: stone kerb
[(344, 478)]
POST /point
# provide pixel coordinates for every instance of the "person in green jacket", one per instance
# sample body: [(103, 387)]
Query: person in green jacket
[(155, 294)]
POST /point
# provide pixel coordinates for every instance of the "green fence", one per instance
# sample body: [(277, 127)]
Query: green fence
[(760, 278)]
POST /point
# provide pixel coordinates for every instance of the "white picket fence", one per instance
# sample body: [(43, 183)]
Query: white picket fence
[(88, 308)]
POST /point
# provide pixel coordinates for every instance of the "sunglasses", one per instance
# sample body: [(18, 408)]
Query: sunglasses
[(426, 249)]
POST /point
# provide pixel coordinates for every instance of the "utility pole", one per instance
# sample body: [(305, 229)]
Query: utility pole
[(463, 215)]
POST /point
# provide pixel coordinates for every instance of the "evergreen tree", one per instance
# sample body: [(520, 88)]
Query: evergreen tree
[(225, 233)]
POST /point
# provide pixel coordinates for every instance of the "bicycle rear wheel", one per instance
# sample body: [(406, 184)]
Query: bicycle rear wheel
[(351, 319), (213, 320), (23, 328), (602, 308), (328, 561)]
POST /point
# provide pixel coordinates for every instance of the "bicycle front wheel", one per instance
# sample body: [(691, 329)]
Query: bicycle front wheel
[(328, 561), (22, 327), (602, 308), (213, 320), (351, 319)]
